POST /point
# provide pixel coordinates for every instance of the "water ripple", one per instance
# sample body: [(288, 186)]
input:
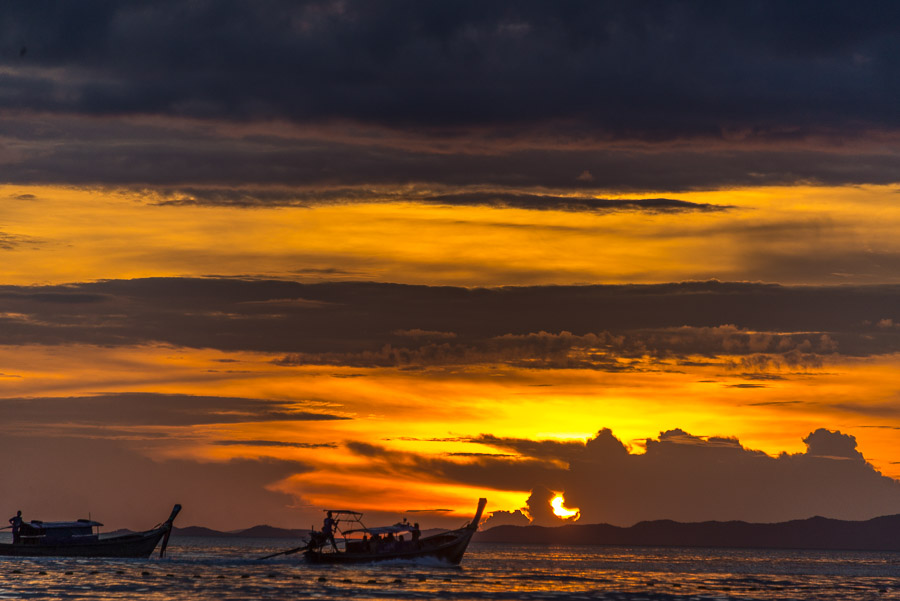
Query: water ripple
[(224, 570)]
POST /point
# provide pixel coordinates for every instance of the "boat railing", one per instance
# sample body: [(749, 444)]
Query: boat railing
[(38, 538)]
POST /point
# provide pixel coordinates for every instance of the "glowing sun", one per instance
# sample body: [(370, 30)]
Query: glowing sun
[(561, 511)]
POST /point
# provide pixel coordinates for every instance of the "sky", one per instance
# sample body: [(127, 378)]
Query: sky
[(627, 260)]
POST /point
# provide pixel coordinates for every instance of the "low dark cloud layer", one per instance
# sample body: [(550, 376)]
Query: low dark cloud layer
[(573, 203), (202, 166), (624, 96), (369, 325), (691, 478), (633, 69), (717, 478), (262, 197), (497, 471), (276, 443), (144, 409)]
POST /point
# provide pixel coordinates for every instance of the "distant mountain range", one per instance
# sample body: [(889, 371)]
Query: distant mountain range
[(254, 532), (878, 534)]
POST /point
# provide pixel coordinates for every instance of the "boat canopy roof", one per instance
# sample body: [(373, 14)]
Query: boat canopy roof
[(50, 525), (356, 514), (379, 530)]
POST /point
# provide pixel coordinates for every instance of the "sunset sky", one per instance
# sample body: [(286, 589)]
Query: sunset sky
[(263, 259)]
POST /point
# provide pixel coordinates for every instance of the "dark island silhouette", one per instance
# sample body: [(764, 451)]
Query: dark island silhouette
[(261, 531), (877, 534)]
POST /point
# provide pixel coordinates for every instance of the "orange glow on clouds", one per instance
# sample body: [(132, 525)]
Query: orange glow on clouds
[(64, 235), (396, 410)]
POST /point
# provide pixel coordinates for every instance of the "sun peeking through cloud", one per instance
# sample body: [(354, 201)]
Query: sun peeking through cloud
[(561, 511)]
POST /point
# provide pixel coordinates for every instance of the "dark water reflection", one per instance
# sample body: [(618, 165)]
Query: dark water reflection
[(225, 569)]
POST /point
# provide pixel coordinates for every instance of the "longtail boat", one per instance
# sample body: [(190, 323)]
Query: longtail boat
[(356, 543), (79, 539)]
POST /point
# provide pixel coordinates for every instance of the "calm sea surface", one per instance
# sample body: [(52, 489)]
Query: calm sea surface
[(224, 569)]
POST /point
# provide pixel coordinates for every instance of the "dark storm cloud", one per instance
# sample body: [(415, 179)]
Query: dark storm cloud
[(691, 478), (202, 166), (555, 94), (506, 518), (637, 69), (717, 478), (296, 197), (494, 471), (490, 455), (147, 410), (368, 324), (567, 203), (680, 476), (59, 296), (823, 263), (275, 443), (555, 450)]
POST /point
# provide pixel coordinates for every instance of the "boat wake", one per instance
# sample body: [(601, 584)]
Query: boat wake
[(421, 562)]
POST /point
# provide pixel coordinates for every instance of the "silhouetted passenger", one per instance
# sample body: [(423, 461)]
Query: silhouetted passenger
[(16, 522), (415, 532), (328, 530)]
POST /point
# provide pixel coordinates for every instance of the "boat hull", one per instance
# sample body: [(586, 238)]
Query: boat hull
[(132, 545), (448, 548), (137, 545)]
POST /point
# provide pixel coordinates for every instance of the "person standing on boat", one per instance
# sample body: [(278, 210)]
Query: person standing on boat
[(16, 522), (328, 530), (416, 533)]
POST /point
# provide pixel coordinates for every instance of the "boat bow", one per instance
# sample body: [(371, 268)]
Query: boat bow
[(168, 526)]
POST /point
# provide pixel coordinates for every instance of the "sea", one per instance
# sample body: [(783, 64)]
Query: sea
[(229, 568)]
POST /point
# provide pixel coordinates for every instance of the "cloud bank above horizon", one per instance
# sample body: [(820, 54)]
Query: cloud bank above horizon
[(406, 254), (702, 479), (342, 378)]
